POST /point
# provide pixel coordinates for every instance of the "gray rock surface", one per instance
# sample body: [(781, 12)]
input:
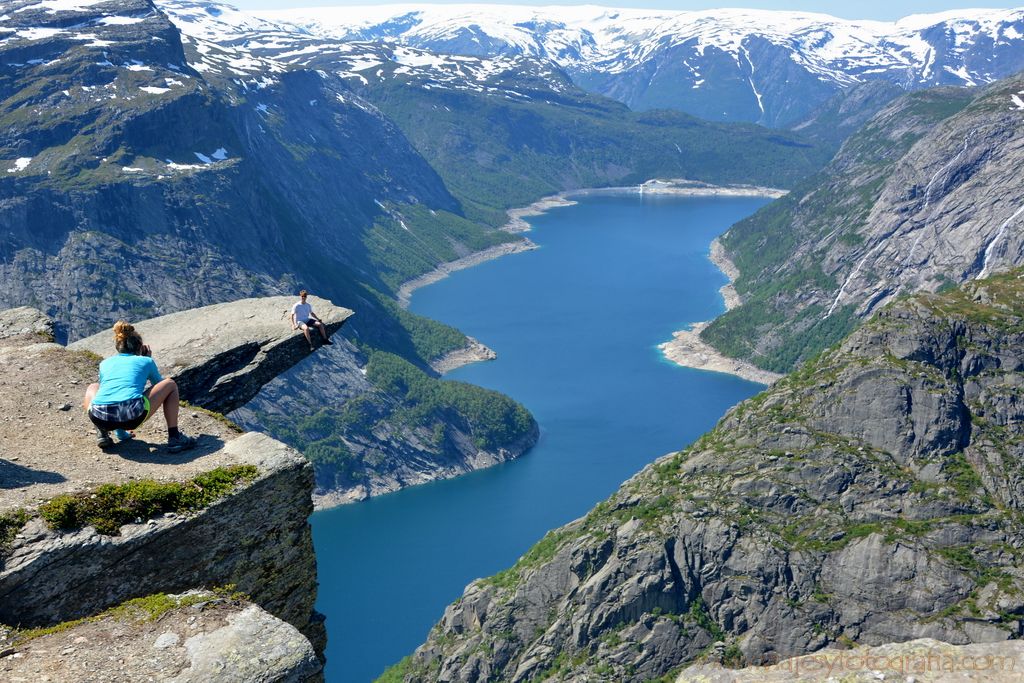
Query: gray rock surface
[(206, 638), (221, 355), (258, 539), (25, 321), (253, 647), (871, 496), (925, 195), (917, 661)]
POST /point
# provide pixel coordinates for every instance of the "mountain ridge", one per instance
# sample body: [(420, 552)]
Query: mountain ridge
[(718, 64)]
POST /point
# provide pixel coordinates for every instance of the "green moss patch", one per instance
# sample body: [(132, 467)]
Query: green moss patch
[(10, 525), (112, 505), (396, 672)]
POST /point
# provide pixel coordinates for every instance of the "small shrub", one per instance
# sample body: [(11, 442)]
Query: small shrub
[(396, 672), (10, 525)]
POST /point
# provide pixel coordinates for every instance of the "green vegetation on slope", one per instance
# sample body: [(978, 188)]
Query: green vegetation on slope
[(412, 240), (496, 153), (111, 506), (779, 250), (406, 398)]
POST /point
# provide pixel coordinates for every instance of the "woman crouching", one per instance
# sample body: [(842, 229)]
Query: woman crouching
[(121, 401)]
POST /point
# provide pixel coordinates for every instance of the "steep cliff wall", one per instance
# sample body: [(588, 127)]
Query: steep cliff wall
[(366, 437), (925, 195), (871, 496), (143, 534)]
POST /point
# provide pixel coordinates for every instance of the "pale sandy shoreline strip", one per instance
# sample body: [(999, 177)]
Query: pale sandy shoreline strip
[(446, 269), (517, 224), (686, 348)]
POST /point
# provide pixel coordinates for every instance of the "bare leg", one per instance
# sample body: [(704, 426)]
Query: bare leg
[(165, 393), (323, 329), (90, 394), (305, 330)]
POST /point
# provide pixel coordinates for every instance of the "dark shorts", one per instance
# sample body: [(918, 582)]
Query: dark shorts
[(309, 323), (124, 415)]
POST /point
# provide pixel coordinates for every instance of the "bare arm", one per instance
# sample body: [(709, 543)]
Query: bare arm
[(292, 318)]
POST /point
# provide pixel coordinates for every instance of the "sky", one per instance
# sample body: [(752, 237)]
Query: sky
[(885, 10)]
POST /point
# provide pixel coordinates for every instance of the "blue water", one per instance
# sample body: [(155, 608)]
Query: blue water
[(575, 325)]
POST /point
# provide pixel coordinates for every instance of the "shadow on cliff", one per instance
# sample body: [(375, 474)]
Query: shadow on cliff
[(139, 450), (14, 476)]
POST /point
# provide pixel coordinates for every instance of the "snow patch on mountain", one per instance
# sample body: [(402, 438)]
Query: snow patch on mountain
[(580, 37)]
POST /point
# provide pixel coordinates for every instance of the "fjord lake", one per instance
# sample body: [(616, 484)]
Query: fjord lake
[(575, 324)]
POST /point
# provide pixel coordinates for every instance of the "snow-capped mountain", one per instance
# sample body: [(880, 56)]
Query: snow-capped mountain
[(765, 66), (237, 45)]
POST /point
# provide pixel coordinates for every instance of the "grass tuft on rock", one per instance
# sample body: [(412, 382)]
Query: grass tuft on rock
[(396, 672), (10, 524), (137, 610), (112, 505), (219, 417)]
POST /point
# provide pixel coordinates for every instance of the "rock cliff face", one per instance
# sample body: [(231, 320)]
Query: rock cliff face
[(138, 181), (221, 355), (255, 538), (871, 496), (357, 436), (925, 195)]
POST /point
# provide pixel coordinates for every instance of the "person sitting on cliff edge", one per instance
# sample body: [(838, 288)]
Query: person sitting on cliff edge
[(303, 318), (120, 401)]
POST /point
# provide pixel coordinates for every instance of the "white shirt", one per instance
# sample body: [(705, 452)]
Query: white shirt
[(301, 312)]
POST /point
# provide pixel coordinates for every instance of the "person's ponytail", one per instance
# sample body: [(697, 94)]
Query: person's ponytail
[(126, 339)]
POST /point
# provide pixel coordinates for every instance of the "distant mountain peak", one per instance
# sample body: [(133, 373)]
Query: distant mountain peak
[(662, 58)]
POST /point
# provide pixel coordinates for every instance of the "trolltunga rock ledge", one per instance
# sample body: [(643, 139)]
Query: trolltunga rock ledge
[(221, 355)]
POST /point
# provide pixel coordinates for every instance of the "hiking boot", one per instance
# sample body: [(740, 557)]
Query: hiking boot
[(328, 342), (103, 439), (123, 434), (181, 442)]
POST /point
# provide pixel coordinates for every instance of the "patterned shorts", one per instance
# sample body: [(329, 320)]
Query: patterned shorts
[(124, 415)]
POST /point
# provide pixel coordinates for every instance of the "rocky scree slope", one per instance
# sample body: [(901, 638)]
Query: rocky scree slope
[(925, 195), (871, 496), (57, 565)]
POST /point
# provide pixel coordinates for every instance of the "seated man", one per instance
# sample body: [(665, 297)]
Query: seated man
[(303, 318)]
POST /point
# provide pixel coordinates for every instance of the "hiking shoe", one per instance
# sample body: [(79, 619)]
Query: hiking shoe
[(103, 439), (328, 342), (123, 434), (181, 442)]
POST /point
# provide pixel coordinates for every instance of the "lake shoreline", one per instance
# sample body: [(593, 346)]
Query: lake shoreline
[(686, 348)]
